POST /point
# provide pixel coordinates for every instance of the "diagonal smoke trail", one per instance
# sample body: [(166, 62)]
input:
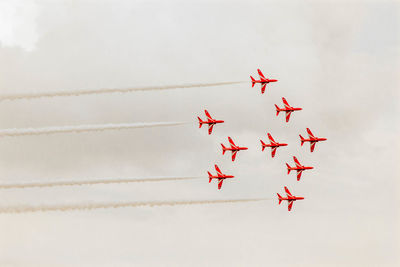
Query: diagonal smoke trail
[(24, 209), (84, 128), (91, 182), (110, 90)]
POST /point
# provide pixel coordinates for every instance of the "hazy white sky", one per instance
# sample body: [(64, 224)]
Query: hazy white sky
[(339, 61)]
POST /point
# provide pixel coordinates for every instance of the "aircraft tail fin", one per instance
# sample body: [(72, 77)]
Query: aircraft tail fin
[(209, 177), (277, 109), (200, 122), (301, 139), (223, 149), (279, 198), (262, 145), (288, 168), (253, 81)]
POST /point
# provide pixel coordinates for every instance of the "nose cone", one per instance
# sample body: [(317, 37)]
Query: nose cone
[(283, 144), (323, 139), (300, 198), (245, 148)]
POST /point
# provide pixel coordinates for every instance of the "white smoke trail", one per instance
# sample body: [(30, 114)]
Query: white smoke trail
[(91, 182), (91, 206), (110, 90), (83, 128)]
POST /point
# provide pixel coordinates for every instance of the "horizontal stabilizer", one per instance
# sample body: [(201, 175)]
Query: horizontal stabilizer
[(288, 168), (301, 139), (279, 198), (200, 122), (209, 177), (223, 149), (277, 109), (263, 145), (253, 81)]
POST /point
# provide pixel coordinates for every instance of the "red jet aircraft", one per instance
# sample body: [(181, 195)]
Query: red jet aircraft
[(234, 148), (210, 121), (299, 168), (220, 176), (263, 81), (289, 198), (288, 109), (312, 139), (274, 145)]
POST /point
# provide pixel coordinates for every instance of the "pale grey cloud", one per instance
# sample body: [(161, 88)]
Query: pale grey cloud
[(18, 24), (338, 61)]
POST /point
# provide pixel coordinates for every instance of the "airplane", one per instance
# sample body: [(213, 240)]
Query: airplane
[(289, 198), (210, 121), (288, 109), (263, 81), (299, 168), (312, 139), (234, 148), (220, 176), (274, 145)]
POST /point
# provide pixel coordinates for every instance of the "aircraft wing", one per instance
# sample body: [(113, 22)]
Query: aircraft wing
[(273, 151), (288, 115), (310, 134), (271, 139), (220, 183), (290, 205), (263, 88), (234, 155), (312, 146), (210, 128), (231, 141), (285, 103), (261, 74), (288, 192), (218, 170), (299, 175), (296, 161), (208, 114)]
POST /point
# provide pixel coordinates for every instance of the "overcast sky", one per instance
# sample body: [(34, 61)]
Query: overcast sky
[(338, 61)]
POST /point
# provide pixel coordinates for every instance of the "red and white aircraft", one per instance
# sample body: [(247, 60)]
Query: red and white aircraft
[(220, 176), (289, 198), (288, 109), (234, 148), (210, 121), (274, 145), (299, 168), (312, 139), (263, 81)]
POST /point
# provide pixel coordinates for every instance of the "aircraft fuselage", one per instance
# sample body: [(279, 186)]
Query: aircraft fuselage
[(315, 140)]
